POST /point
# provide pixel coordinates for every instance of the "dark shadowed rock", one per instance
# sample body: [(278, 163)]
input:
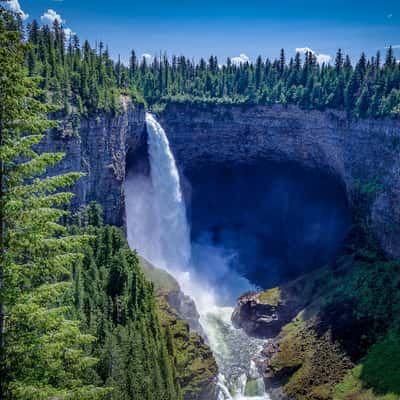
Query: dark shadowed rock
[(355, 151), (260, 319), (352, 150)]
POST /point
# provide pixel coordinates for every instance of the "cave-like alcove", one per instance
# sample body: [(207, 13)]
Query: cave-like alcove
[(137, 161), (281, 220)]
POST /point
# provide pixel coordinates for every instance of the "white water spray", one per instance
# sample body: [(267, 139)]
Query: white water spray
[(168, 198), (159, 231)]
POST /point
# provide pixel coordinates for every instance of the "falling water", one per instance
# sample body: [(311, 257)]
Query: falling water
[(158, 230)]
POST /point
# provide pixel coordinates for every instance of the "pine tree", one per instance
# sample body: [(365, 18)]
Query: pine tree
[(282, 61), (389, 61), (339, 61), (363, 103), (41, 351)]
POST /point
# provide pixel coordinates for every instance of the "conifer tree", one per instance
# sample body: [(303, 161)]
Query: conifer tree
[(41, 350)]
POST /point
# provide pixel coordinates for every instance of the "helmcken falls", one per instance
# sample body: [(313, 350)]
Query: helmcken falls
[(159, 230)]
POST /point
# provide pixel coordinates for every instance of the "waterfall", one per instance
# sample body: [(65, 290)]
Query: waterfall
[(158, 229), (168, 198)]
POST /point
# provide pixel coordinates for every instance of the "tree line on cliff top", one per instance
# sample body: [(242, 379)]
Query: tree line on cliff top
[(86, 79)]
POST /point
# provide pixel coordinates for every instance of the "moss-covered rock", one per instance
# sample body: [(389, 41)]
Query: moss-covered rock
[(313, 362), (271, 296), (195, 364), (344, 343)]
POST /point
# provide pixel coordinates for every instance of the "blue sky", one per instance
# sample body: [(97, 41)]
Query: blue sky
[(228, 28)]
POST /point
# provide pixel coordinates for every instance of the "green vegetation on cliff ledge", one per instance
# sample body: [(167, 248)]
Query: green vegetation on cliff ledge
[(196, 367), (377, 377), (345, 343), (271, 296)]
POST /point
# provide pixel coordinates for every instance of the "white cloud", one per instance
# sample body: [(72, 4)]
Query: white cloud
[(395, 46), (241, 59), (50, 16), (68, 33), (321, 58), (304, 50), (148, 57), (14, 6)]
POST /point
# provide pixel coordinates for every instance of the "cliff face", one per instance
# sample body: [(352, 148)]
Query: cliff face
[(353, 151), (100, 151)]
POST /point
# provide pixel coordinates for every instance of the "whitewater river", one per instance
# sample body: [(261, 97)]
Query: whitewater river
[(158, 229)]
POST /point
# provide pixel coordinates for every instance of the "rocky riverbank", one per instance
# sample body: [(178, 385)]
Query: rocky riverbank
[(329, 331)]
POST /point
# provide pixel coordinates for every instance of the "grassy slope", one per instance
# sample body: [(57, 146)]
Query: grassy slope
[(161, 279)]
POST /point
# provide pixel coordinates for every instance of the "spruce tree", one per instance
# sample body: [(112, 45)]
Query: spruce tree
[(41, 350)]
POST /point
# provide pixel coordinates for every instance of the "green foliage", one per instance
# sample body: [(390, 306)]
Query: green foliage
[(381, 367), (372, 287), (313, 363), (90, 81), (196, 368), (117, 305), (42, 351), (373, 291), (377, 377), (77, 79), (271, 296), (194, 363)]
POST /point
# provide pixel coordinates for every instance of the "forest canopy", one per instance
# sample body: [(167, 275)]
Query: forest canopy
[(85, 79)]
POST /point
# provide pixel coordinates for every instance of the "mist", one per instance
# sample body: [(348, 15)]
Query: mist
[(158, 229), (208, 276), (279, 220)]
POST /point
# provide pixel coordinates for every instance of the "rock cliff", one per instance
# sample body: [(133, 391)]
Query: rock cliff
[(353, 151), (99, 149)]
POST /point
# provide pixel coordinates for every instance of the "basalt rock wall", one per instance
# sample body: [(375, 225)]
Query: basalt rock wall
[(354, 151), (99, 149)]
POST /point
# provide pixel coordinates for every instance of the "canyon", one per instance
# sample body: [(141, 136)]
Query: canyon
[(274, 187), (348, 152)]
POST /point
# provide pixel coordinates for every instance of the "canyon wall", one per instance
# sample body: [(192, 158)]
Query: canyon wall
[(354, 151), (99, 150)]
